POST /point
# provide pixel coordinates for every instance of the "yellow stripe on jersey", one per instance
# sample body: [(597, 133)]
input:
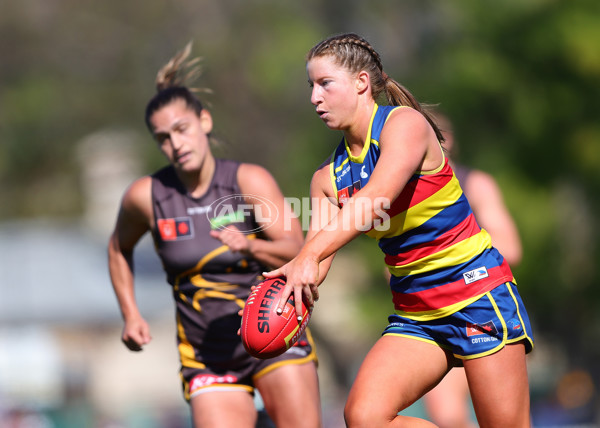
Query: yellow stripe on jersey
[(333, 171), (208, 257), (203, 293), (339, 168), (186, 350), (360, 158), (418, 214), (454, 255)]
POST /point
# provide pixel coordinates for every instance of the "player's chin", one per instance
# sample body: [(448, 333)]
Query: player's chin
[(186, 165), (327, 122), (334, 126)]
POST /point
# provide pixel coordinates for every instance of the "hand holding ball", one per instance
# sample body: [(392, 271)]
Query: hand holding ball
[(264, 332)]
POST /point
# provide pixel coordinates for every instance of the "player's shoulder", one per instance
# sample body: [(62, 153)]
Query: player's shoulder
[(323, 170), (256, 179), (248, 170), (251, 172), (408, 127), (137, 199), (321, 179), (405, 116), (482, 181), (139, 187)]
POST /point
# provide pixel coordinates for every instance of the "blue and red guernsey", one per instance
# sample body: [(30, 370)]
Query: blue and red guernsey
[(439, 258)]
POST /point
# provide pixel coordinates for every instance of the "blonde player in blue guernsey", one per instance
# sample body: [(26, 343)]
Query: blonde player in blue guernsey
[(455, 298)]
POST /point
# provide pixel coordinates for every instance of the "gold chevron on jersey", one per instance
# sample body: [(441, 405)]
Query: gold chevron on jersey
[(419, 213), (453, 255)]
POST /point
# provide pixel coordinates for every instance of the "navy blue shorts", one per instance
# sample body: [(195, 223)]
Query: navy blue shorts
[(485, 326)]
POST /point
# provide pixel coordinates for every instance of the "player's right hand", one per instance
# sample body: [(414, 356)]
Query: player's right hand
[(136, 333)]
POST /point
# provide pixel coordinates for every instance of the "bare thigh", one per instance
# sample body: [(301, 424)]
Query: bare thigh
[(291, 397), (223, 409), (500, 388), (396, 372)]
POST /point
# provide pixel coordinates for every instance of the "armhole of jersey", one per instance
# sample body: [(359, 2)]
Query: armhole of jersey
[(439, 168), (392, 111), (332, 175)]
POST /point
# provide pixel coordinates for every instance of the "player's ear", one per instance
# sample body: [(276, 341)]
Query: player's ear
[(206, 122), (363, 81)]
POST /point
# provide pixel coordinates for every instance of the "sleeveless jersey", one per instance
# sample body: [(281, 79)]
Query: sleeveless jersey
[(210, 283), (440, 260)]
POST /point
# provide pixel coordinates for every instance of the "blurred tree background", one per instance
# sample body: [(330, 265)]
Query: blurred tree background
[(519, 80)]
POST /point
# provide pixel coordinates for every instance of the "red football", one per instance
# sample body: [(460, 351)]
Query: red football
[(265, 334)]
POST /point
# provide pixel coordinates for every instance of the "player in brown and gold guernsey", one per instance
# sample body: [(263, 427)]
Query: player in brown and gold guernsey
[(200, 211)]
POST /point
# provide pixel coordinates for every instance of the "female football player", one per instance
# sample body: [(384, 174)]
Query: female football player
[(454, 295), (213, 247)]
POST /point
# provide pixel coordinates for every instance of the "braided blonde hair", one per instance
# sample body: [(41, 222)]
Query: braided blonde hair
[(354, 53)]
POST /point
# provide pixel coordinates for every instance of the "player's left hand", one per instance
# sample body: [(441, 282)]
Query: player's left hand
[(231, 236)]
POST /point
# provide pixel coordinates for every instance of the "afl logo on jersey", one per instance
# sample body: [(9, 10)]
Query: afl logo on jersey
[(172, 229), (243, 208)]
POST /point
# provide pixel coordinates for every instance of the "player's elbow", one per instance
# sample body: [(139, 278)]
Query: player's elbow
[(513, 258)]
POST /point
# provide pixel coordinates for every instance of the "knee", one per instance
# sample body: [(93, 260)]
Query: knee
[(351, 414), (360, 414), (352, 417)]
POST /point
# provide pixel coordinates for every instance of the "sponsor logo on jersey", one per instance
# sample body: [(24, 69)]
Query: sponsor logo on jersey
[(172, 229), (363, 174), (347, 192), (488, 328), (475, 275), (198, 210), (344, 172), (343, 195)]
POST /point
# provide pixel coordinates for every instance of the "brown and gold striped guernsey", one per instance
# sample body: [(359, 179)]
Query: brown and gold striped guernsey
[(210, 283)]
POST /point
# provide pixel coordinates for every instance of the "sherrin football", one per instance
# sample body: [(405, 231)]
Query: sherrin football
[(266, 334)]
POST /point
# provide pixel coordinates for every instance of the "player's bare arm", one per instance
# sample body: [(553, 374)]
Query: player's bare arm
[(492, 214), (133, 222)]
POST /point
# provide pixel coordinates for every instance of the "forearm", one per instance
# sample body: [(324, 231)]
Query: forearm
[(356, 217), (508, 242), (122, 279), (273, 254)]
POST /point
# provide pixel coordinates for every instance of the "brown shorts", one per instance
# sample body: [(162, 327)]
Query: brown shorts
[(242, 374)]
